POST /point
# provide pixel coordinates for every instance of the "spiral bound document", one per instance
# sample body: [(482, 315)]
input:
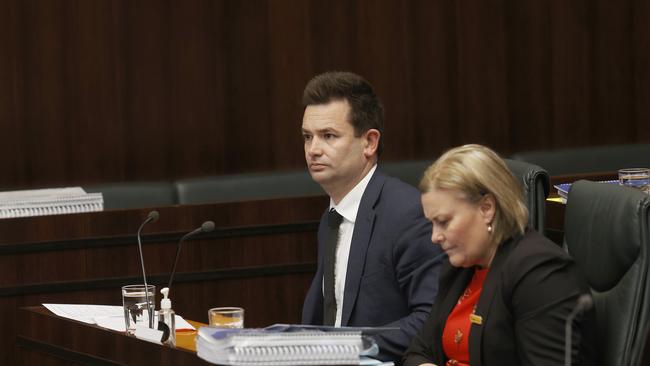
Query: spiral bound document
[(244, 347), (564, 188), (51, 201)]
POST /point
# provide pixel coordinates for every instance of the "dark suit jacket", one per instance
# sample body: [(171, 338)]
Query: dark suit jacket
[(530, 289), (392, 272)]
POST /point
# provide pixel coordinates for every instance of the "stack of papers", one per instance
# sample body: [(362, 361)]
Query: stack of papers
[(105, 316), (284, 346), (51, 201)]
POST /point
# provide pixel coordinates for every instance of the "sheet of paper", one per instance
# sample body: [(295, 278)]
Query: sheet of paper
[(556, 199), (182, 324), (368, 361), (115, 323), (106, 316), (85, 313), (151, 335)]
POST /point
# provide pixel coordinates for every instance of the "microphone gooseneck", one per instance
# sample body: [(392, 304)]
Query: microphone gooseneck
[(151, 217), (584, 303), (206, 227)]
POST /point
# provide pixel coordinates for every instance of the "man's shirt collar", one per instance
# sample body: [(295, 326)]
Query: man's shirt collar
[(349, 205)]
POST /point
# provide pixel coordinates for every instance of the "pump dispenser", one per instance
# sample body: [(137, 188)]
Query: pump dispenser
[(166, 319)]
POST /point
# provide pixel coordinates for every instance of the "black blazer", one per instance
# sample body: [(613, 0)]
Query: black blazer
[(392, 273), (530, 289)]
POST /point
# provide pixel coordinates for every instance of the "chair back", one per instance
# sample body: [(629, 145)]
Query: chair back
[(591, 159), (534, 179), (408, 171), (535, 182), (246, 187), (132, 195), (607, 233)]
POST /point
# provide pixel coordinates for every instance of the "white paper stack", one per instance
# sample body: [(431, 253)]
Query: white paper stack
[(105, 316), (51, 201), (244, 347)]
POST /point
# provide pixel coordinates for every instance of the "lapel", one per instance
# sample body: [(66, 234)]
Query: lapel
[(452, 284), (363, 227), (313, 306), (483, 307)]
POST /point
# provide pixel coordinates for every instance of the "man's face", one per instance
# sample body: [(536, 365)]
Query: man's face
[(335, 157)]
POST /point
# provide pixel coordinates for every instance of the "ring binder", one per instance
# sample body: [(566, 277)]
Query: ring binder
[(243, 347), (51, 201)]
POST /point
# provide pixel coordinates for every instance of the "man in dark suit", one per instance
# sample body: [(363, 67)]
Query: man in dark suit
[(376, 263)]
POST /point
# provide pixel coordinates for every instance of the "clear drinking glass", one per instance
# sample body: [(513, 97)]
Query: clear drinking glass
[(226, 317), (136, 311), (638, 178)]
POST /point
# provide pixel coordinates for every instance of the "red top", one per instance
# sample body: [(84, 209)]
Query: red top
[(455, 336)]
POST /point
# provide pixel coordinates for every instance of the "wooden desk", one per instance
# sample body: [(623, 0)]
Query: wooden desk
[(47, 339), (186, 339), (555, 210), (261, 257)]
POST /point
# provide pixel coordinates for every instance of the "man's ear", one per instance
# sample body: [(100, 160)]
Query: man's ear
[(371, 139), (488, 207)]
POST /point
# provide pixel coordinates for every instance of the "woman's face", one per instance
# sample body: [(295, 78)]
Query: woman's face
[(461, 227)]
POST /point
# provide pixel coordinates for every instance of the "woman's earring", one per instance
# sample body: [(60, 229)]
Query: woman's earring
[(489, 228)]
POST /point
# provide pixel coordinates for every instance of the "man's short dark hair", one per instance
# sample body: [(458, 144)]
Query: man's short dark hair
[(366, 111)]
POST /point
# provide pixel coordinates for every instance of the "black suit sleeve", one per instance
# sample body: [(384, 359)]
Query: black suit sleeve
[(421, 349), (417, 263), (541, 301)]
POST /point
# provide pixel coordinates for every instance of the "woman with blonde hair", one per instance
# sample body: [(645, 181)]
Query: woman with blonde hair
[(505, 290)]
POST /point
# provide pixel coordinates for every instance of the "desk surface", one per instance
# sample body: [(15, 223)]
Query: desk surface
[(47, 339), (187, 339)]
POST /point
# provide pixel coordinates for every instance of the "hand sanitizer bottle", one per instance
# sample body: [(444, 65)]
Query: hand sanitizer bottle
[(166, 321)]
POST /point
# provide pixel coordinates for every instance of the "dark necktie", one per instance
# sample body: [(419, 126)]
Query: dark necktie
[(334, 220)]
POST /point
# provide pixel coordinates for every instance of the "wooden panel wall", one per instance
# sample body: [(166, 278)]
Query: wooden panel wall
[(109, 90)]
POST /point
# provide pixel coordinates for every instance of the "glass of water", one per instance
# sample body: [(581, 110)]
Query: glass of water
[(227, 317), (638, 178), (136, 309)]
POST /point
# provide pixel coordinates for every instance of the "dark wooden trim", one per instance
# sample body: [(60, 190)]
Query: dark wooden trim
[(595, 176), (184, 277), (63, 353), (115, 241)]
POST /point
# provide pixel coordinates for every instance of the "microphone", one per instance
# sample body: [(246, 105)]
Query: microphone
[(584, 303), (151, 217), (206, 227)]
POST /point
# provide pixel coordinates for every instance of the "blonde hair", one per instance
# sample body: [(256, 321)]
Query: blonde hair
[(475, 171)]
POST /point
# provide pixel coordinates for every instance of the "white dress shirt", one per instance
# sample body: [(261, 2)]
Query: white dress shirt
[(347, 208)]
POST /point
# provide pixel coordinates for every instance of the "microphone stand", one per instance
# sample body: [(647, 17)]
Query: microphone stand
[(585, 302), (206, 227), (152, 217)]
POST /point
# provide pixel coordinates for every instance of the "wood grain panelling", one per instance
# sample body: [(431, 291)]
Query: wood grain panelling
[(571, 70), (117, 90), (434, 69), (287, 57), (529, 56), (640, 44), (482, 103)]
